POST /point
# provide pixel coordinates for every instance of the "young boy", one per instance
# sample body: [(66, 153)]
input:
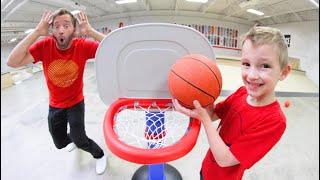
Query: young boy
[(252, 121)]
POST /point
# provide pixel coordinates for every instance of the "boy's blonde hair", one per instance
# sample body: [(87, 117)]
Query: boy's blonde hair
[(260, 35)]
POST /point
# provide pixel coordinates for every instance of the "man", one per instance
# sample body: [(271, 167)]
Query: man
[(63, 57)]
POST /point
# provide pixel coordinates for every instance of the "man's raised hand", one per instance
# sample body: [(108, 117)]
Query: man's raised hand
[(43, 26)]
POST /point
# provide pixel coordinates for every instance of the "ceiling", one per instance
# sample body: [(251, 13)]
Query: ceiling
[(20, 15)]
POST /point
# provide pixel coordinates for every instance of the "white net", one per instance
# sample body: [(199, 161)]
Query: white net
[(150, 127)]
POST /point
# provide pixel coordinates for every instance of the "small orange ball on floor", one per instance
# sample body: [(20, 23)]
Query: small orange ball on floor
[(287, 103)]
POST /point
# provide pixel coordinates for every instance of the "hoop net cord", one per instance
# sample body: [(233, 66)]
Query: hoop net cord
[(149, 131)]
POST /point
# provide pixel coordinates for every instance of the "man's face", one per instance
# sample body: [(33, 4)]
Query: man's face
[(63, 31)]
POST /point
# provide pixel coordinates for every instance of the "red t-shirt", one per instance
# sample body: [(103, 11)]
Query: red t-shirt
[(249, 131), (63, 69)]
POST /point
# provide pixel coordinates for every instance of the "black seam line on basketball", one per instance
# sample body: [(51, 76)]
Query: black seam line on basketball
[(193, 85), (210, 70), (189, 106)]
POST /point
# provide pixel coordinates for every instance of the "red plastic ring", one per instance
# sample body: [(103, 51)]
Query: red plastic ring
[(147, 156)]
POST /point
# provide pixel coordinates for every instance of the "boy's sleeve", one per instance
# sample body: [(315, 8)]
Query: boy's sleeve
[(256, 142), (222, 107), (36, 51), (90, 47)]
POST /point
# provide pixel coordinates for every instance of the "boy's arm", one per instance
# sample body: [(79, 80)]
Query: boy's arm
[(20, 55), (219, 149), (210, 110), (214, 117)]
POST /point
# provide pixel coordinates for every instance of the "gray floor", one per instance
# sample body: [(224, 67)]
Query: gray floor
[(27, 150)]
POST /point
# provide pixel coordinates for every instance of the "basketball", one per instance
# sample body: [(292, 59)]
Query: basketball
[(195, 77)]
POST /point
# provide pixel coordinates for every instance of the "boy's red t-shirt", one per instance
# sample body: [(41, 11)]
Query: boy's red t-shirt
[(63, 69), (249, 131)]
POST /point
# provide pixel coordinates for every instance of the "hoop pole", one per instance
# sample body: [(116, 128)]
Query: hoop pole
[(154, 129), (156, 172)]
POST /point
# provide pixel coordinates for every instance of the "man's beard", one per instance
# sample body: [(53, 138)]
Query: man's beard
[(63, 43)]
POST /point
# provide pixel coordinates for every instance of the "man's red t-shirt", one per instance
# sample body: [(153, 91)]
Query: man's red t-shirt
[(249, 131), (63, 69)]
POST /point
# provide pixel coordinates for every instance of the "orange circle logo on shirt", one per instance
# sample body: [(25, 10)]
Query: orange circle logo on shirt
[(63, 73)]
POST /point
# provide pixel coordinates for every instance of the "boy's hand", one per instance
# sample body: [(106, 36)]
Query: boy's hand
[(210, 110), (84, 26), (199, 112), (43, 26)]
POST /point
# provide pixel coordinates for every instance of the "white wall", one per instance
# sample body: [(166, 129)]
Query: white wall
[(242, 28), (114, 24), (304, 38), (304, 45)]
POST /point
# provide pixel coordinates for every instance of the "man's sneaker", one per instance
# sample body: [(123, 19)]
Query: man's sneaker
[(101, 164), (71, 146)]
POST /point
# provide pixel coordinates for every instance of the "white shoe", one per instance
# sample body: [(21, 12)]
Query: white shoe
[(71, 146), (101, 164)]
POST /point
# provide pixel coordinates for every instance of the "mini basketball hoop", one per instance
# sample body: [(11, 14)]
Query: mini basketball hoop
[(140, 125), (149, 131)]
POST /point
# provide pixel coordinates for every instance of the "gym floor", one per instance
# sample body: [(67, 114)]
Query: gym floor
[(28, 152)]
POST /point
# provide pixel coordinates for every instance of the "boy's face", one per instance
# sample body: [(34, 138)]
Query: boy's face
[(261, 70), (63, 30)]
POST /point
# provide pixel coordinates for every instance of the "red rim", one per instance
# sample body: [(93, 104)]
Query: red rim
[(147, 156)]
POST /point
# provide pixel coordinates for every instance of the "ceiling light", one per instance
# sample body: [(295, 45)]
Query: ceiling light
[(70, 3), (253, 11), (13, 39), (28, 31), (125, 1), (314, 2), (198, 1), (74, 12)]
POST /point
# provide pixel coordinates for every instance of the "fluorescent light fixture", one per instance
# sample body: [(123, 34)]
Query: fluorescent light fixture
[(198, 1), (74, 12), (253, 11), (68, 3), (125, 1), (29, 31), (314, 2), (13, 39)]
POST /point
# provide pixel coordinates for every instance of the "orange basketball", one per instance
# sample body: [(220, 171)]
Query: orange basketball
[(195, 77)]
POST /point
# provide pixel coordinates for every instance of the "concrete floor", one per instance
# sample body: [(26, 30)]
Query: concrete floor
[(27, 150)]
